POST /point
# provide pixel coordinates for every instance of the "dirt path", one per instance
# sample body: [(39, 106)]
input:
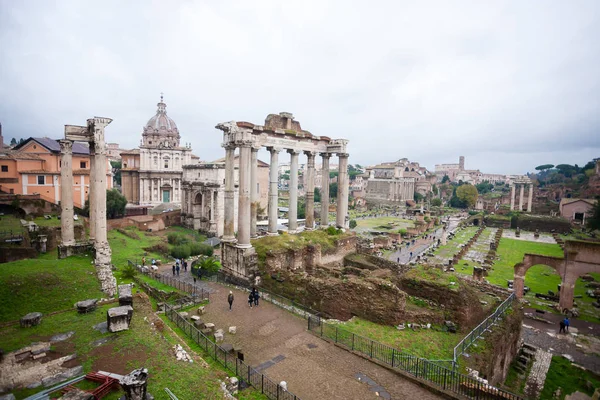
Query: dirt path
[(277, 343)]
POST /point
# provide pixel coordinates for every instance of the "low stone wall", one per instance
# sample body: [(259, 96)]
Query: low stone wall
[(370, 262), (496, 222), (501, 347), (76, 249), (543, 223), (10, 253)]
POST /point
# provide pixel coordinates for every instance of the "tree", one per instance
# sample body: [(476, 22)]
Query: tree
[(418, 197), (116, 169), (544, 167), (445, 179), (566, 169), (317, 195), (436, 202), (333, 174), (484, 187), (209, 265), (593, 222), (115, 204), (353, 224), (13, 142), (333, 188), (467, 194)]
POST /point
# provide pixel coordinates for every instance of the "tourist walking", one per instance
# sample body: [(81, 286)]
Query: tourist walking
[(567, 323), (562, 327), (185, 266), (143, 261), (250, 299), (173, 269), (256, 296), (177, 268), (230, 299)]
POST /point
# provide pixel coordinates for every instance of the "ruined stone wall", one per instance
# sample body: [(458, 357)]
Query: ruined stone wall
[(541, 223), (500, 348), (343, 247), (370, 262), (9, 253)]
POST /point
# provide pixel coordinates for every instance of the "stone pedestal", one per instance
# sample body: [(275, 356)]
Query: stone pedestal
[(104, 268), (118, 318), (125, 296), (31, 319), (135, 385), (86, 306), (241, 263)]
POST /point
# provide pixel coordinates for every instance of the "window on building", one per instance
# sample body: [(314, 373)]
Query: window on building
[(5, 168), (41, 180), (82, 164), (156, 161), (166, 163), (12, 191)]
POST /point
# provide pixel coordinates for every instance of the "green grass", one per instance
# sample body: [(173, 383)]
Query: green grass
[(45, 284), (298, 241), (569, 378), (432, 343), (10, 223), (435, 275), (383, 223), (128, 248)]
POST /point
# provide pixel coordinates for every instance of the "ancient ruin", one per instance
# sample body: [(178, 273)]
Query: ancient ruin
[(280, 132), (93, 134), (580, 258), (521, 183)]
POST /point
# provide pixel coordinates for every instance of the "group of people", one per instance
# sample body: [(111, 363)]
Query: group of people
[(179, 264), (564, 325), (253, 297)]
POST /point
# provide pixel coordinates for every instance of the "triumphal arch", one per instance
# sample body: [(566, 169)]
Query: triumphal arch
[(279, 133)]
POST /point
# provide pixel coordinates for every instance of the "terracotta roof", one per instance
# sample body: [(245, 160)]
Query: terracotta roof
[(39, 171), (565, 201), (54, 146)]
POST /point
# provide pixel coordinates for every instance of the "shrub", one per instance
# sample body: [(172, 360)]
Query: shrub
[(181, 251), (332, 231), (176, 238), (200, 248), (353, 224), (129, 272), (160, 248), (403, 232)]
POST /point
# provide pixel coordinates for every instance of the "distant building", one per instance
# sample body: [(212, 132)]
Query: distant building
[(576, 210), (153, 173), (33, 167), (113, 152)]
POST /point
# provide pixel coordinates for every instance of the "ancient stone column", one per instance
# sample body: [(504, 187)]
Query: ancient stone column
[(530, 198), (273, 190), (91, 190), (342, 198), (99, 199), (293, 207), (228, 231), (325, 190), (66, 192), (521, 192), (253, 191), (309, 184), (512, 197), (243, 236)]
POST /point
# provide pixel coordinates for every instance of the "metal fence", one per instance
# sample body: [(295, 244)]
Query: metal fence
[(229, 360), (483, 326), (429, 370), (174, 282)]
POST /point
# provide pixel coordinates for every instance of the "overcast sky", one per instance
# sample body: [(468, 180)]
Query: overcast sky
[(508, 84)]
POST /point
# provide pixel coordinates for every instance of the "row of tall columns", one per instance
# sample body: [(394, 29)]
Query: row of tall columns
[(249, 197), (521, 196)]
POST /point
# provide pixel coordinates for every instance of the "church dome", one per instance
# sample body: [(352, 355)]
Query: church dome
[(161, 123)]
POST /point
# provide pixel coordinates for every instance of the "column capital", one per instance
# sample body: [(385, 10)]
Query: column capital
[(325, 155), (228, 146), (343, 155), (66, 146), (293, 151), (245, 143), (310, 154), (273, 149), (255, 148)]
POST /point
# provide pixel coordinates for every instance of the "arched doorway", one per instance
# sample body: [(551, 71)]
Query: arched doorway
[(197, 206)]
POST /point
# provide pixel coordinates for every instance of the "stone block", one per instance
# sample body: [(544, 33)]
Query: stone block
[(233, 330), (119, 318), (77, 394), (219, 336), (63, 376), (184, 314), (206, 331), (194, 318), (86, 306), (125, 296), (201, 310), (200, 324), (31, 319), (210, 325)]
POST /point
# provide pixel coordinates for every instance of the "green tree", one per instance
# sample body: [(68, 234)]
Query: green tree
[(436, 202), (317, 195), (418, 197), (467, 194), (593, 222), (484, 187), (115, 204), (13, 142), (116, 169), (445, 179), (353, 224), (544, 167), (333, 174), (566, 169), (209, 265), (333, 188)]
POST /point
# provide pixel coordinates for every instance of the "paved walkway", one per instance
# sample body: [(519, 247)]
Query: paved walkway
[(537, 375), (278, 344)]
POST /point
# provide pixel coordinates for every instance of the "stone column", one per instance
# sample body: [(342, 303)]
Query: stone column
[(92, 189), (342, 198), (325, 190), (521, 192), (273, 190), (512, 197), (66, 192), (100, 191), (293, 206), (253, 191), (309, 185), (228, 231), (530, 198), (243, 237), (212, 207)]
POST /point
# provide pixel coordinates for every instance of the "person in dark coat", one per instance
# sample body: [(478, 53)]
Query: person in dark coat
[(177, 269), (173, 269), (256, 297), (250, 299), (567, 323), (562, 327), (230, 299)]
